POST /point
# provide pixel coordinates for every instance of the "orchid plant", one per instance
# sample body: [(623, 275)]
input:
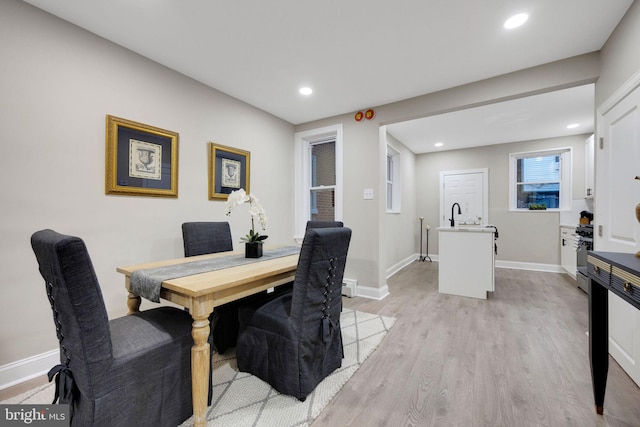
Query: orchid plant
[(239, 197)]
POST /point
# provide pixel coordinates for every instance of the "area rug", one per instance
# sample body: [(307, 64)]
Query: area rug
[(240, 399)]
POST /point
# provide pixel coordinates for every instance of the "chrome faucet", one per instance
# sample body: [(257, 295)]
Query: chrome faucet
[(453, 224)]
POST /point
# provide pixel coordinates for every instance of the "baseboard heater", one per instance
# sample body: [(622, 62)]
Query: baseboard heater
[(349, 288)]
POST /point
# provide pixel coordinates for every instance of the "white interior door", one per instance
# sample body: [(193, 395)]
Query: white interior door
[(616, 228), (469, 189)]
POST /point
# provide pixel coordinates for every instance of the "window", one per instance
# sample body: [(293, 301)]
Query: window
[(393, 180), (540, 180), (322, 191), (318, 177)]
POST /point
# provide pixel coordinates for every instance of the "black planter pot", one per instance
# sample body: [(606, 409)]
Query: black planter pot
[(252, 250)]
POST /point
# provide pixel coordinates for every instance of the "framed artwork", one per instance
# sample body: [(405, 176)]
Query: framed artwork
[(141, 160), (228, 171)]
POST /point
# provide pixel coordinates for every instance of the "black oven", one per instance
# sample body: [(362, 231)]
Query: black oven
[(585, 244)]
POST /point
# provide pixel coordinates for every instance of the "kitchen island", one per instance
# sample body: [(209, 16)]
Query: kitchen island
[(466, 260)]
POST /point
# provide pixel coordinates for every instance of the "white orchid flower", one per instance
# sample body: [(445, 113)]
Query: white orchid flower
[(239, 197)]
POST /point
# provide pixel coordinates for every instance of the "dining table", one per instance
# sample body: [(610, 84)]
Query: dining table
[(201, 290)]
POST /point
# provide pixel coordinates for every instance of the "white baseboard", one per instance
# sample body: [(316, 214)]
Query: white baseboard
[(382, 292), (516, 265), (401, 264), (373, 293), (28, 369)]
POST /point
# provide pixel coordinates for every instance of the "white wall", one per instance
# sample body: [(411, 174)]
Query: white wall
[(620, 58), (402, 229), (58, 84)]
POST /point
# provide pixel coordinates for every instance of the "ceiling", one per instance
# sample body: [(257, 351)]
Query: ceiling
[(354, 54), (524, 119)]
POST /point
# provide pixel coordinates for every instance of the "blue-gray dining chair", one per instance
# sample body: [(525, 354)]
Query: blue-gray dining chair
[(293, 341), (201, 238), (130, 371)]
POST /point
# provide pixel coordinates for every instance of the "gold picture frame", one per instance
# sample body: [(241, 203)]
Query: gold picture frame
[(141, 160), (229, 170)]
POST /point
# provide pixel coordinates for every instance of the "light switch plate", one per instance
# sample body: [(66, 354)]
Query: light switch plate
[(368, 194)]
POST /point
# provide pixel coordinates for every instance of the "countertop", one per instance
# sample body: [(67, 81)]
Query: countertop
[(474, 229)]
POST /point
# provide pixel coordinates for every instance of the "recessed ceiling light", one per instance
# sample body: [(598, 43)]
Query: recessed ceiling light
[(573, 126), (306, 91), (515, 21), (438, 144)]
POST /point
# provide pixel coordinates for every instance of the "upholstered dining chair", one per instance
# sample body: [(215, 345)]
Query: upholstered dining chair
[(294, 341), (200, 238), (288, 287), (130, 371)]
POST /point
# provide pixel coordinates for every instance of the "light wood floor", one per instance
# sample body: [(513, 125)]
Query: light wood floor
[(519, 358)]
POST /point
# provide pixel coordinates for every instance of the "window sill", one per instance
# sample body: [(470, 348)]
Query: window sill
[(539, 210)]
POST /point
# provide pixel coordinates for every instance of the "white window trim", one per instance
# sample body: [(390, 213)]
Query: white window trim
[(302, 170), (566, 185), (396, 181)]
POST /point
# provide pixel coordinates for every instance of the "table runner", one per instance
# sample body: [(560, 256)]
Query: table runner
[(147, 282)]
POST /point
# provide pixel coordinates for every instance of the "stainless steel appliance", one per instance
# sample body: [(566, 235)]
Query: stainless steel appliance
[(585, 243)]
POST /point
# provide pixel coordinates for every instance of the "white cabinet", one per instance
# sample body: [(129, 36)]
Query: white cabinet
[(568, 245), (466, 261), (589, 167)]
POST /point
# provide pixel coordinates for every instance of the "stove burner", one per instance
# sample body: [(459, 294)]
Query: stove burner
[(585, 244), (584, 230)]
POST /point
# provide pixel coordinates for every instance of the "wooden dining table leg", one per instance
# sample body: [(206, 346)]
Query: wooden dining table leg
[(200, 368), (133, 302)]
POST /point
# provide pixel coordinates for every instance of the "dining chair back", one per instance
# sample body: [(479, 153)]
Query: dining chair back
[(323, 224), (201, 238), (133, 370), (294, 341)]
